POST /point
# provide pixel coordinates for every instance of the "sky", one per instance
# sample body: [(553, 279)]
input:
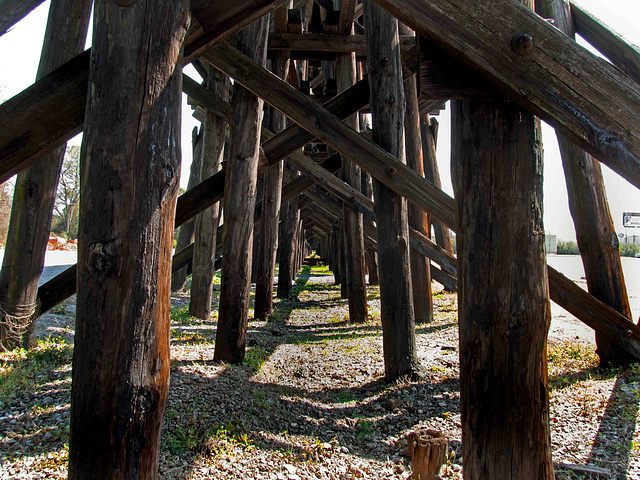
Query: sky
[(20, 53)]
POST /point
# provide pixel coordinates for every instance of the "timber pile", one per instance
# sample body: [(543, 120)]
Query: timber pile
[(327, 415)]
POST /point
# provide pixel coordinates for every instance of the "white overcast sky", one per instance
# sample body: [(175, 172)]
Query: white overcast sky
[(20, 53)]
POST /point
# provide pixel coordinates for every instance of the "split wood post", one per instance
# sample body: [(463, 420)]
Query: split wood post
[(355, 280), (429, 450), (206, 224), (185, 231), (387, 109), (272, 191), (288, 228), (589, 208), (504, 311), (35, 190), (418, 218), (239, 205), (429, 131), (130, 180)]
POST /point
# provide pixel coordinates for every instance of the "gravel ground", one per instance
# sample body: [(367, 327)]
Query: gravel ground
[(308, 402)]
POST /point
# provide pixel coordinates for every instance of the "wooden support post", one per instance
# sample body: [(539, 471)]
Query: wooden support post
[(206, 223), (185, 232), (387, 109), (131, 165), (429, 131), (239, 205), (290, 215), (504, 312), (418, 218), (354, 281), (371, 257), (35, 189), (589, 207), (272, 194)]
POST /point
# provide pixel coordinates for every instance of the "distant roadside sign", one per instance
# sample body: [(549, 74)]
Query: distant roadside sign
[(631, 220)]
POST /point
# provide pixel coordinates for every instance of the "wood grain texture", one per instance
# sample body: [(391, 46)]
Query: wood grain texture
[(503, 297), (589, 100), (131, 164)]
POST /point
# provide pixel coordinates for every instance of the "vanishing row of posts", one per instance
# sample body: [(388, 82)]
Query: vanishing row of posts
[(130, 178)]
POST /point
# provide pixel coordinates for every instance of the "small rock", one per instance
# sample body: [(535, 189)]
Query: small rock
[(291, 470), (344, 450)]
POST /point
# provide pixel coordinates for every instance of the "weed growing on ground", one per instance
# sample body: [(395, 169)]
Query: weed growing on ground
[(255, 358), (20, 368), (182, 316)]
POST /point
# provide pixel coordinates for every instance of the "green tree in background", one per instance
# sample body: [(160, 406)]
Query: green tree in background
[(65, 210)]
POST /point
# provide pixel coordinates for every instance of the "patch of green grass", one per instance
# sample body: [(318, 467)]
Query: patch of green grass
[(182, 316), (255, 358), (20, 368), (181, 439), (344, 396), (572, 355), (364, 429), (59, 309)]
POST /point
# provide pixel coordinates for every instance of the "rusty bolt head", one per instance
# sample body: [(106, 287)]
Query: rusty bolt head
[(392, 172), (522, 44)]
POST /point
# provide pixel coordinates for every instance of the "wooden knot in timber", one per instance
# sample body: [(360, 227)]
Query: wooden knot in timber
[(429, 450), (392, 172), (522, 44)]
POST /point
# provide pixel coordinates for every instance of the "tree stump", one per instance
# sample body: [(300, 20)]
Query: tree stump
[(428, 450)]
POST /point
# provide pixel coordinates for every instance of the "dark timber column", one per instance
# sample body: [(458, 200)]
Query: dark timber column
[(387, 109), (354, 276), (130, 169), (289, 226), (272, 192), (185, 233), (418, 219), (429, 131), (589, 207), (503, 293), (239, 205), (370, 255), (206, 224), (35, 190)]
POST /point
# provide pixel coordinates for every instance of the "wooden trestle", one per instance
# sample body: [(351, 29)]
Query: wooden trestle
[(318, 54)]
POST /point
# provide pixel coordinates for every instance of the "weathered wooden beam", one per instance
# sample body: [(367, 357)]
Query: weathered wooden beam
[(325, 42), (594, 313), (331, 130), (347, 12), (615, 48), (45, 115), (12, 11), (589, 100), (221, 19)]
